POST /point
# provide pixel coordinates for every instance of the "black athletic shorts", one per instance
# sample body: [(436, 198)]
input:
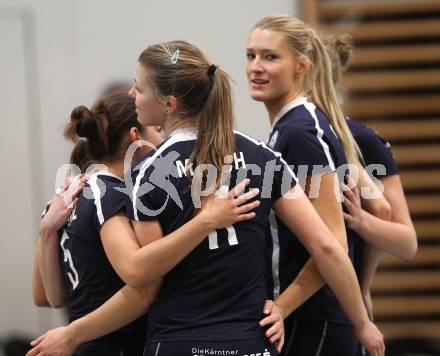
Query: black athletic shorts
[(254, 347), (103, 348), (316, 337)]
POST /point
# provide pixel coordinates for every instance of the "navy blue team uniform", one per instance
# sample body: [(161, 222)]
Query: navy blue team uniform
[(374, 150), (89, 277), (212, 301), (305, 138)]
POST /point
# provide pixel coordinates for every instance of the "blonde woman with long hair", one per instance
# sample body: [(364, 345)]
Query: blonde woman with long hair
[(289, 70)]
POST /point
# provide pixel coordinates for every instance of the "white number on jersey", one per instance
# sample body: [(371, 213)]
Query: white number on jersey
[(68, 258), (213, 238)]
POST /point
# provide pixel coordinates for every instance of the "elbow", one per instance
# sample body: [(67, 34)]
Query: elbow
[(137, 272), (133, 280), (40, 301), (410, 256), (39, 295), (146, 302), (412, 248), (133, 270), (326, 249), (57, 303), (138, 281), (149, 294), (136, 277), (55, 300)]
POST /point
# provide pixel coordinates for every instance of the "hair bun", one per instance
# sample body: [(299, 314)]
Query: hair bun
[(80, 113), (344, 46), (84, 121)]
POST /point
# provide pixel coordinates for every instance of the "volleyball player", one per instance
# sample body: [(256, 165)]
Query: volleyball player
[(87, 279), (214, 291), (398, 236), (289, 71), (72, 188)]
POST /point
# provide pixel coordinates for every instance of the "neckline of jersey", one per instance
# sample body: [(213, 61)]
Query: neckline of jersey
[(300, 100), (106, 173), (185, 133)]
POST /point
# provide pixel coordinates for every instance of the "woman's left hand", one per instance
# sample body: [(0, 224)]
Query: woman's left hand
[(55, 342), (275, 333), (62, 204)]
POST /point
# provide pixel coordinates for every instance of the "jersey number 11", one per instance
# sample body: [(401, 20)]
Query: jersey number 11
[(213, 238)]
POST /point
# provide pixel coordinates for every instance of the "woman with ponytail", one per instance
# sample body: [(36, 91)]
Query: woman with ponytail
[(289, 70), (213, 295), (85, 278), (373, 233), (89, 274), (398, 237)]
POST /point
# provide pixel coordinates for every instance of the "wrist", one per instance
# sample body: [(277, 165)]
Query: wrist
[(47, 231), (361, 222), (362, 319), (48, 225), (205, 222), (283, 310), (361, 323), (78, 331), (44, 228), (74, 333)]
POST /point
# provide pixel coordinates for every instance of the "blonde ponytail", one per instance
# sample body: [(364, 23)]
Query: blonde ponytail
[(323, 94)]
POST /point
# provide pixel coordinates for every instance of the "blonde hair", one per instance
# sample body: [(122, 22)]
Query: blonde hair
[(180, 69), (317, 83)]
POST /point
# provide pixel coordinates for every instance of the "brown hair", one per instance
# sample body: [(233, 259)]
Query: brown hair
[(79, 156), (99, 132), (317, 82), (340, 49), (203, 90)]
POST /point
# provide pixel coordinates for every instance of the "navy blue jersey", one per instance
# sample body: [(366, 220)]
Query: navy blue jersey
[(218, 291), (88, 275), (375, 151), (306, 140)]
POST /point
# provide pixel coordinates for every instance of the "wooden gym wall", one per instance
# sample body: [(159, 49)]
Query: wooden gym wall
[(393, 86)]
